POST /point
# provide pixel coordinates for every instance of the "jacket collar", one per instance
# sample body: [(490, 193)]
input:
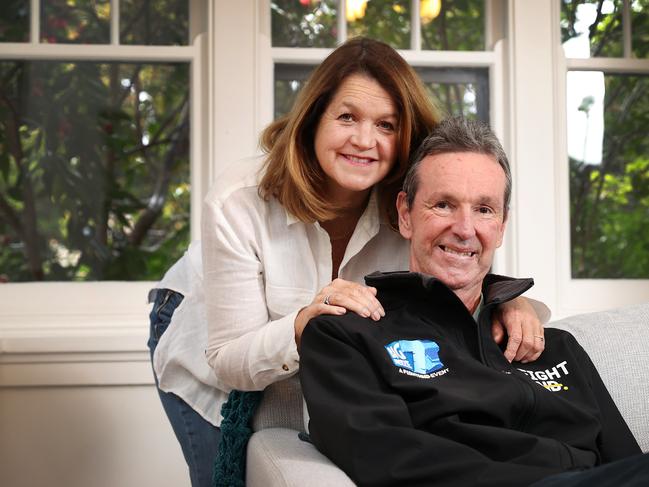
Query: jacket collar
[(495, 288)]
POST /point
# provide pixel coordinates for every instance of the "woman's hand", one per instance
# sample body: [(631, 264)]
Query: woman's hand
[(517, 319), (335, 299)]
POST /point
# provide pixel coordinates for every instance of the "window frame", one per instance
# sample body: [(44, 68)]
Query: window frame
[(107, 317), (542, 203), (579, 295)]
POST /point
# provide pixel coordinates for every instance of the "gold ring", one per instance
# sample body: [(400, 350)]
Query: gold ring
[(539, 337)]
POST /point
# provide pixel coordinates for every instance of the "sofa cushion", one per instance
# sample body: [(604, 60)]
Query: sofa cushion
[(617, 342), (277, 457)]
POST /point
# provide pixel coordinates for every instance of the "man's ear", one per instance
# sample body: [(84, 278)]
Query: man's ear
[(404, 215)]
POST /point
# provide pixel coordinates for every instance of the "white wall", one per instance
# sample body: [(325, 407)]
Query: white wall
[(92, 436)]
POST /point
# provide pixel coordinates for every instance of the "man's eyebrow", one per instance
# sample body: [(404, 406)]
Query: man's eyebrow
[(480, 199), (436, 196), (488, 200)]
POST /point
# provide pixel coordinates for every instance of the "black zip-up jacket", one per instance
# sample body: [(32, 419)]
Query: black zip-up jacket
[(426, 397)]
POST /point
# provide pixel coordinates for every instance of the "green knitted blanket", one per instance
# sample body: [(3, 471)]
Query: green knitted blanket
[(230, 463)]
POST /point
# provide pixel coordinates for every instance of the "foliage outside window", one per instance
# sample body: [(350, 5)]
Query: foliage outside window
[(608, 143), (452, 25), (459, 26), (14, 21), (79, 22), (94, 156)]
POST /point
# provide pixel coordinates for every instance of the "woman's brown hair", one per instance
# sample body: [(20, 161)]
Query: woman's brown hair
[(292, 172)]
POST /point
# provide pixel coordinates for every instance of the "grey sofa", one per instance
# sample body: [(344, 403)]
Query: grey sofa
[(617, 342)]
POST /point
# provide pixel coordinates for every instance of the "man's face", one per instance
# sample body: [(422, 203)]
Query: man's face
[(457, 219)]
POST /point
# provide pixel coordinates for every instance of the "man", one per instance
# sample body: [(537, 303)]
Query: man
[(425, 396)]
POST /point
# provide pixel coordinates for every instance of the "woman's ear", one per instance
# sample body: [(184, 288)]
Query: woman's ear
[(404, 215)]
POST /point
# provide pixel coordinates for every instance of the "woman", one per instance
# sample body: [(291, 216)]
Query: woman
[(294, 240)]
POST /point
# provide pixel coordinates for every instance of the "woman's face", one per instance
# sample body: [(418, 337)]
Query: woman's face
[(356, 139)]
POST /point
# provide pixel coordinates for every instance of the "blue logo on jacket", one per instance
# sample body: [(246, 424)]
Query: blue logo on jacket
[(418, 356)]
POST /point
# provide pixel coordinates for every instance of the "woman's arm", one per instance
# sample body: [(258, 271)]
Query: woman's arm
[(246, 348), (521, 321), (254, 324)]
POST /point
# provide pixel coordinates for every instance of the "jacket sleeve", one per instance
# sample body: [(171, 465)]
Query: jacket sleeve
[(616, 440), (365, 427), (246, 348)]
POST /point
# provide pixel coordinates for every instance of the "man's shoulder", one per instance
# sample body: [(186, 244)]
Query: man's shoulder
[(339, 325)]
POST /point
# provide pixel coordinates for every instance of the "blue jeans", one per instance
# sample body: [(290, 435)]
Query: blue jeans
[(628, 472), (198, 438)]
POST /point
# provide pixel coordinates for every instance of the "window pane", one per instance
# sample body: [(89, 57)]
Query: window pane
[(640, 29), (304, 23), (94, 170), (458, 91), (161, 23), (453, 25), (591, 28), (14, 21), (455, 91), (608, 148), (289, 80), (387, 21), (78, 22)]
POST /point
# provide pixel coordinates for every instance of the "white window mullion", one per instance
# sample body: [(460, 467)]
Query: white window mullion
[(626, 28), (34, 21), (342, 21), (415, 26), (300, 55), (609, 65), (114, 22), (464, 59), (97, 52)]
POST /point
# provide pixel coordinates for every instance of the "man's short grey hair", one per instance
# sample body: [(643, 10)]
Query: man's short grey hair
[(458, 134)]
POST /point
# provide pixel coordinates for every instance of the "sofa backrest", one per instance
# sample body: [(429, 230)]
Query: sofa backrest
[(617, 342)]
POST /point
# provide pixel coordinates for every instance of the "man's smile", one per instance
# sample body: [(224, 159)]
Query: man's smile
[(458, 252)]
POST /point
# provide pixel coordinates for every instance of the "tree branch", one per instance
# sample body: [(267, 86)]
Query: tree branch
[(159, 195)]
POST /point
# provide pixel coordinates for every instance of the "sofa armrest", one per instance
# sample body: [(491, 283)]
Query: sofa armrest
[(616, 341), (277, 457)]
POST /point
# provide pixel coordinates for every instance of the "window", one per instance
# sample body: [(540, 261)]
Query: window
[(422, 29), (579, 151), (94, 171), (608, 145), (100, 122), (607, 152)]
